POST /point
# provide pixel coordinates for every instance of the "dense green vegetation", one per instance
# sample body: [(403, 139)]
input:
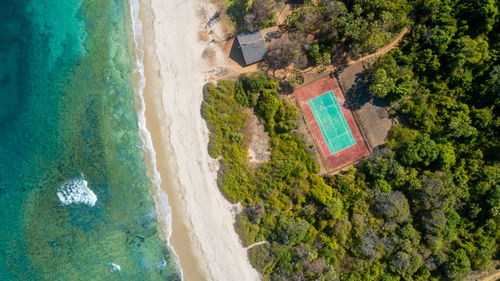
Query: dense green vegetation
[(361, 26), (321, 31), (250, 14), (427, 204), (444, 81)]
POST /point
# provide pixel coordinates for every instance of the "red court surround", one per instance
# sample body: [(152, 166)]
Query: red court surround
[(347, 155)]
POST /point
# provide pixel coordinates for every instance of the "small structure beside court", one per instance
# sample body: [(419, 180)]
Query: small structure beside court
[(331, 123), (249, 48)]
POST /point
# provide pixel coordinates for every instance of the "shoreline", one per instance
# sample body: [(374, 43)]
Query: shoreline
[(203, 235), (163, 209)]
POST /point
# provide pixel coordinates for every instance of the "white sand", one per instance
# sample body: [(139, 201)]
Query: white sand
[(180, 136)]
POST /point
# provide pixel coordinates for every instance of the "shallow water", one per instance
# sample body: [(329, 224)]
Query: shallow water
[(76, 202)]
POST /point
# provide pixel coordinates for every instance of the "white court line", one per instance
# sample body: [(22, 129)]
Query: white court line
[(332, 140), (321, 127), (320, 124), (335, 104), (330, 146), (342, 119), (337, 107), (338, 136)]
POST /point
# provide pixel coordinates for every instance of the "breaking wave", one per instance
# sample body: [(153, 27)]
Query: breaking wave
[(115, 267), (76, 191)]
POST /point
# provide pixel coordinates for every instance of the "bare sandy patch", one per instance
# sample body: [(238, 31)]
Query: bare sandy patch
[(178, 63), (259, 150)]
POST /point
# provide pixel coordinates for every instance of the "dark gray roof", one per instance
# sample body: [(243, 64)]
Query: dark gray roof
[(252, 46)]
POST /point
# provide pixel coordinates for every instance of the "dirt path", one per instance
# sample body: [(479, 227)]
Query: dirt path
[(493, 277), (256, 244), (384, 50), (234, 69), (282, 14)]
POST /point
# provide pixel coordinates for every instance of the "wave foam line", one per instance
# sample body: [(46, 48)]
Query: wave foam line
[(161, 199)]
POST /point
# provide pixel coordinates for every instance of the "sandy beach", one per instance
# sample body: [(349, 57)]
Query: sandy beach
[(203, 234)]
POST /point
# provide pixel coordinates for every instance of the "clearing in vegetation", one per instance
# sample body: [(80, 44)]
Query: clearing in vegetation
[(331, 123)]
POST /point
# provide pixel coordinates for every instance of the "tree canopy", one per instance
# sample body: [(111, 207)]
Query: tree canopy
[(426, 206)]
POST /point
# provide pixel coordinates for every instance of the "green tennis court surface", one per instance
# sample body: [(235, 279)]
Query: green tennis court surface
[(331, 122)]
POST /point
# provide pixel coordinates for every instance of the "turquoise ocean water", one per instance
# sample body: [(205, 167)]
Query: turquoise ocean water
[(75, 199)]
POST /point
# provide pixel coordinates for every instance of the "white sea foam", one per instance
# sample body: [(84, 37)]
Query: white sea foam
[(115, 267), (76, 191), (161, 264), (164, 211)]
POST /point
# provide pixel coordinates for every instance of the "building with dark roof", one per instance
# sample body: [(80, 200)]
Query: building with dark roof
[(250, 47)]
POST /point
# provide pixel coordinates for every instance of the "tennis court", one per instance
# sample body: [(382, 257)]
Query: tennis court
[(332, 125), (331, 122)]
